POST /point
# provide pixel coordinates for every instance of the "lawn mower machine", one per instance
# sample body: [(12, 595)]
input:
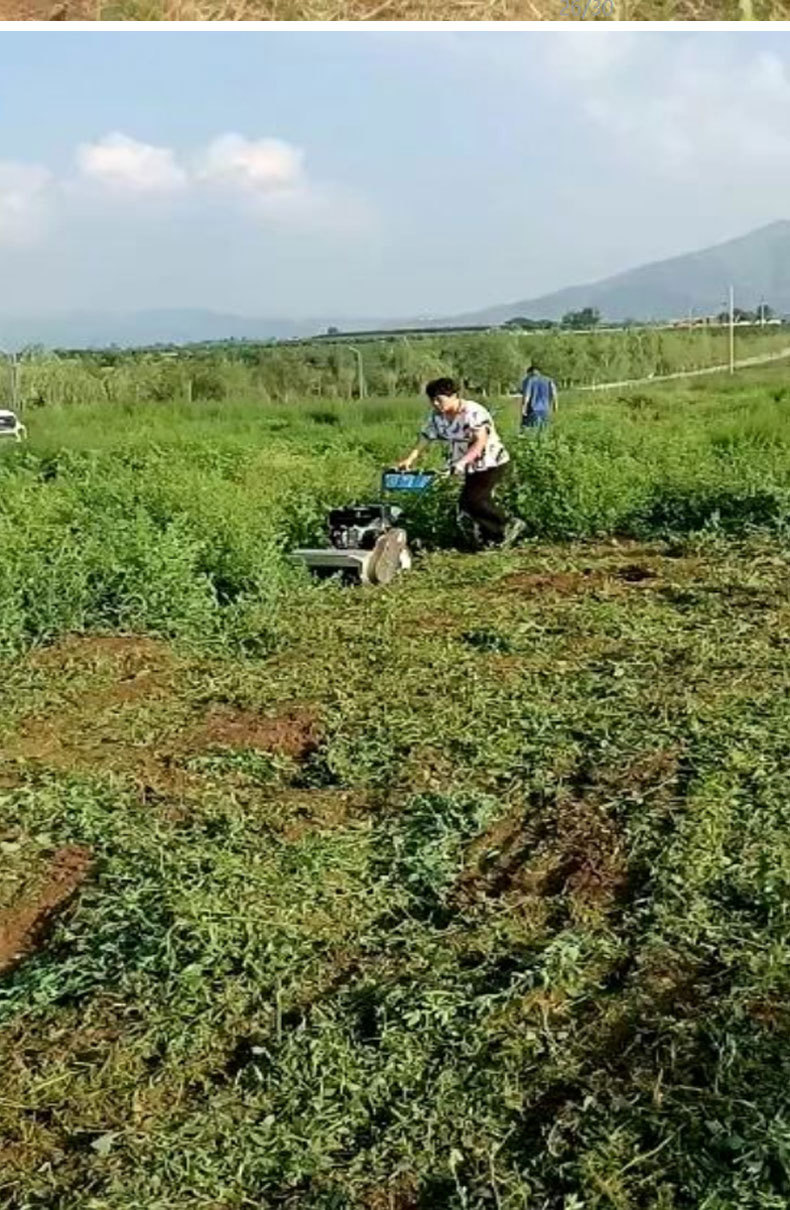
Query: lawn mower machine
[(366, 544)]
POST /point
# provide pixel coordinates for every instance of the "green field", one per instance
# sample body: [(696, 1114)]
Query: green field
[(471, 892)]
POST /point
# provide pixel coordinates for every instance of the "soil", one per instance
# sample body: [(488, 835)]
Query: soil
[(591, 865), (77, 648), (23, 928), (653, 772), (140, 666), (572, 583), (120, 677), (294, 733), (317, 811), (494, 859), (571, 850), (426, 767), (564, 583)]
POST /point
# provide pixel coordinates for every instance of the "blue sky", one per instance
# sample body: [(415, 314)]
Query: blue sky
[(371, 173)]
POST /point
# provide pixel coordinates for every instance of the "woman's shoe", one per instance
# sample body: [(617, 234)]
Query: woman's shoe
[(512, 534)]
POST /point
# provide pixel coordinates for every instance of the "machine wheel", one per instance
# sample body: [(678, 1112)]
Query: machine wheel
[(387, 558)]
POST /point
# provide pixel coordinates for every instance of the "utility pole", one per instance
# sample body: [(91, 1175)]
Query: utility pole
[(360, 372), (732, 330)]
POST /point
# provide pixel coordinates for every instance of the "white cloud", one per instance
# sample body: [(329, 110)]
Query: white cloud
[(260, 166), (684, 107), (25, 202), (269, 178), (265, 177), (125, 165)]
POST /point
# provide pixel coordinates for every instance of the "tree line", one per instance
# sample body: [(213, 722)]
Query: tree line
[(486, 364)]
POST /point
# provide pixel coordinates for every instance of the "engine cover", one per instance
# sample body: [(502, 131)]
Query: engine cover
[(359, 526)]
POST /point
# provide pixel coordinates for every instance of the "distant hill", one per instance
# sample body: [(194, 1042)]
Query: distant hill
[(88, 329), (757, 265)]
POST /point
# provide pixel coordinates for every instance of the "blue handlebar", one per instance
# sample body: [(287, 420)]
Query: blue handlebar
[(406, 481)]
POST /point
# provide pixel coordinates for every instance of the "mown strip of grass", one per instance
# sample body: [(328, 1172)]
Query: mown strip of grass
[(475, 894)]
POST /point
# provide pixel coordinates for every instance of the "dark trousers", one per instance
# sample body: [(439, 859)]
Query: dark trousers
[(475, 500)]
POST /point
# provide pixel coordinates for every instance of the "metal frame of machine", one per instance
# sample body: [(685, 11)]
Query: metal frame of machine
[(366, 545)]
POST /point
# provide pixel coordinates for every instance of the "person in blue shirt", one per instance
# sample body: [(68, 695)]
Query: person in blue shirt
[(538, 399)]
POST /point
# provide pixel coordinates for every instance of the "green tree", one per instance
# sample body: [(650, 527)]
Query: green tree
[(588, 317)]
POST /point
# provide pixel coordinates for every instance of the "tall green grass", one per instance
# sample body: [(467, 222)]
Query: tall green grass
[(174, 518)]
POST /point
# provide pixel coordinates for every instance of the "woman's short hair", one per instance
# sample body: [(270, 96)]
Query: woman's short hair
[(441, 386)]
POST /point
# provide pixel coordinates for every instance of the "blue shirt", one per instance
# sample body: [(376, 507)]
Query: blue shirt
[(537, 392)]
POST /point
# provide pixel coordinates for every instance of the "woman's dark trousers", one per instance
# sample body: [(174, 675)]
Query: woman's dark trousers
[(476, 501)]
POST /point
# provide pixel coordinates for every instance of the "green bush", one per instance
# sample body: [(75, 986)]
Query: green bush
[(175, 518)]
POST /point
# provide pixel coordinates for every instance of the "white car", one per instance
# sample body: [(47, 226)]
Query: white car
[(11, 425)]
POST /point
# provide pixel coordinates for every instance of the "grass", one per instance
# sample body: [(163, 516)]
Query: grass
[(172, 520), (467, 893), (394, 10)]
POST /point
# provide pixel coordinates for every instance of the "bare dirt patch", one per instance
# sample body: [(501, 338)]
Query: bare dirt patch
[(590, 864), (575, 583), (671, 984), (494, 859), (88, 744), (160, 781), (295, 732), (570, 850), (159, 773), (79, 648), (434, 622), (561, 583), (23, 928), (110, 712), (306, 811), (102, 681), (137, 667), (426, 767)]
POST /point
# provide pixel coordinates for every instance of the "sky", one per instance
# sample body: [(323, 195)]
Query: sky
[(374, 174)]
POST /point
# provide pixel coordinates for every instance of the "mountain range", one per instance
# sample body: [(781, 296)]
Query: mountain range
[(757, 265)]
